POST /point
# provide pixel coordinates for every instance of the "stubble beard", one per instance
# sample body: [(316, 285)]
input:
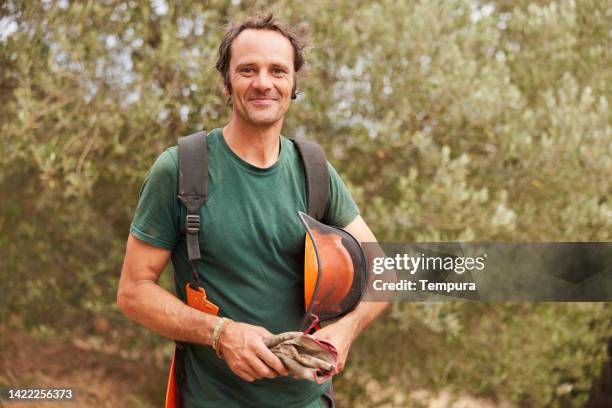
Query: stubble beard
[(260, 119)]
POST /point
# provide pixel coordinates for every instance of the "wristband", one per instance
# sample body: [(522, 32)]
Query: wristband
[(223, 326), (216, 332)]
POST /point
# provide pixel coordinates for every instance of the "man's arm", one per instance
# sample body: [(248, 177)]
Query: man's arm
[(343, 332), (141, 299)]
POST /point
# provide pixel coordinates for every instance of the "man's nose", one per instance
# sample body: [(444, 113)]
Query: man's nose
[(262, 81)]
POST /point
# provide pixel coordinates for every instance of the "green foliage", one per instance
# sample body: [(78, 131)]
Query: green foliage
[(533, 355), (454, 120)]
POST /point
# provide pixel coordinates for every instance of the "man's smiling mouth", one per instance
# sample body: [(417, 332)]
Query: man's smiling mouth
[(262, 101)]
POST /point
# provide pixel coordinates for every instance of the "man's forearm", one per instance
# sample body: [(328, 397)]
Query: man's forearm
[(363, 315), (157, 309)]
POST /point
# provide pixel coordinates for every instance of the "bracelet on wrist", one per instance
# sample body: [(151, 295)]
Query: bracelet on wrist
[(223, 326), (217, 332)]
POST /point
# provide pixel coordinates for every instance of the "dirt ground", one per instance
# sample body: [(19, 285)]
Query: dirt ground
[(100, 379)]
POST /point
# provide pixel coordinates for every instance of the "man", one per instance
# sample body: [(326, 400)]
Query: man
[(252, 241)]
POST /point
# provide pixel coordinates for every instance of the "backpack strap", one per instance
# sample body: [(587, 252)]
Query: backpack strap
[(193, 192), (317, 177)]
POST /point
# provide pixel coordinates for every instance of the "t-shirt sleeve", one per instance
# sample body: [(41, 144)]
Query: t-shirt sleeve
[(341, 208), (155, 220)]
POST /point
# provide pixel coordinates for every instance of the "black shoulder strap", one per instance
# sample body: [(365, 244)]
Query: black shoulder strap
[(317, 177), (193, 191)]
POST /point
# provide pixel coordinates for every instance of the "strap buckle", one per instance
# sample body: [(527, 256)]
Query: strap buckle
[(193, 223)]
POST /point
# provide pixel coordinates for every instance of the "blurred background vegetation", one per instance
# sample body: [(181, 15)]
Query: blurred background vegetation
[(450, 120)]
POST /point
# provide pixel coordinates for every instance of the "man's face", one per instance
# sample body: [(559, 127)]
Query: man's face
[(261, 74)]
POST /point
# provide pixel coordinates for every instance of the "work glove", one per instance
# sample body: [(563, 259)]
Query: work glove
[(304, 356)]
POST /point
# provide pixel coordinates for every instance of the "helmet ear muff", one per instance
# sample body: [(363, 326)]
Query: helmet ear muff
[(335, 270)]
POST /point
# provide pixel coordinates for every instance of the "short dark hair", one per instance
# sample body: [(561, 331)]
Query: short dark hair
[(297, 39)]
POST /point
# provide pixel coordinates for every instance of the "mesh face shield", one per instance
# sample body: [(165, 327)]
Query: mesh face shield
[(335, 271)]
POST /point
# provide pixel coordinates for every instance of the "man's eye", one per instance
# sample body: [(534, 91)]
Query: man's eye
[(278, 71), (247, 70)]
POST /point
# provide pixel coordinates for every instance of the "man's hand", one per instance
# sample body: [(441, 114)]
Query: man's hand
[(242, 347), (341, 334)]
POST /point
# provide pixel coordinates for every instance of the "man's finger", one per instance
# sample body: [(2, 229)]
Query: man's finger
[(245, 376), (272, 361), (260, 369)]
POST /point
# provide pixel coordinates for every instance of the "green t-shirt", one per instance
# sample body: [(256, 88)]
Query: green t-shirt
[(252, 245)]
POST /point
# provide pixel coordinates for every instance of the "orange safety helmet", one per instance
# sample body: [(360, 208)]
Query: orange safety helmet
[(335, 271)]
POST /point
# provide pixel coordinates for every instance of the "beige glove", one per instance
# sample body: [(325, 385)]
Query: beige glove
[(304, 356)]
